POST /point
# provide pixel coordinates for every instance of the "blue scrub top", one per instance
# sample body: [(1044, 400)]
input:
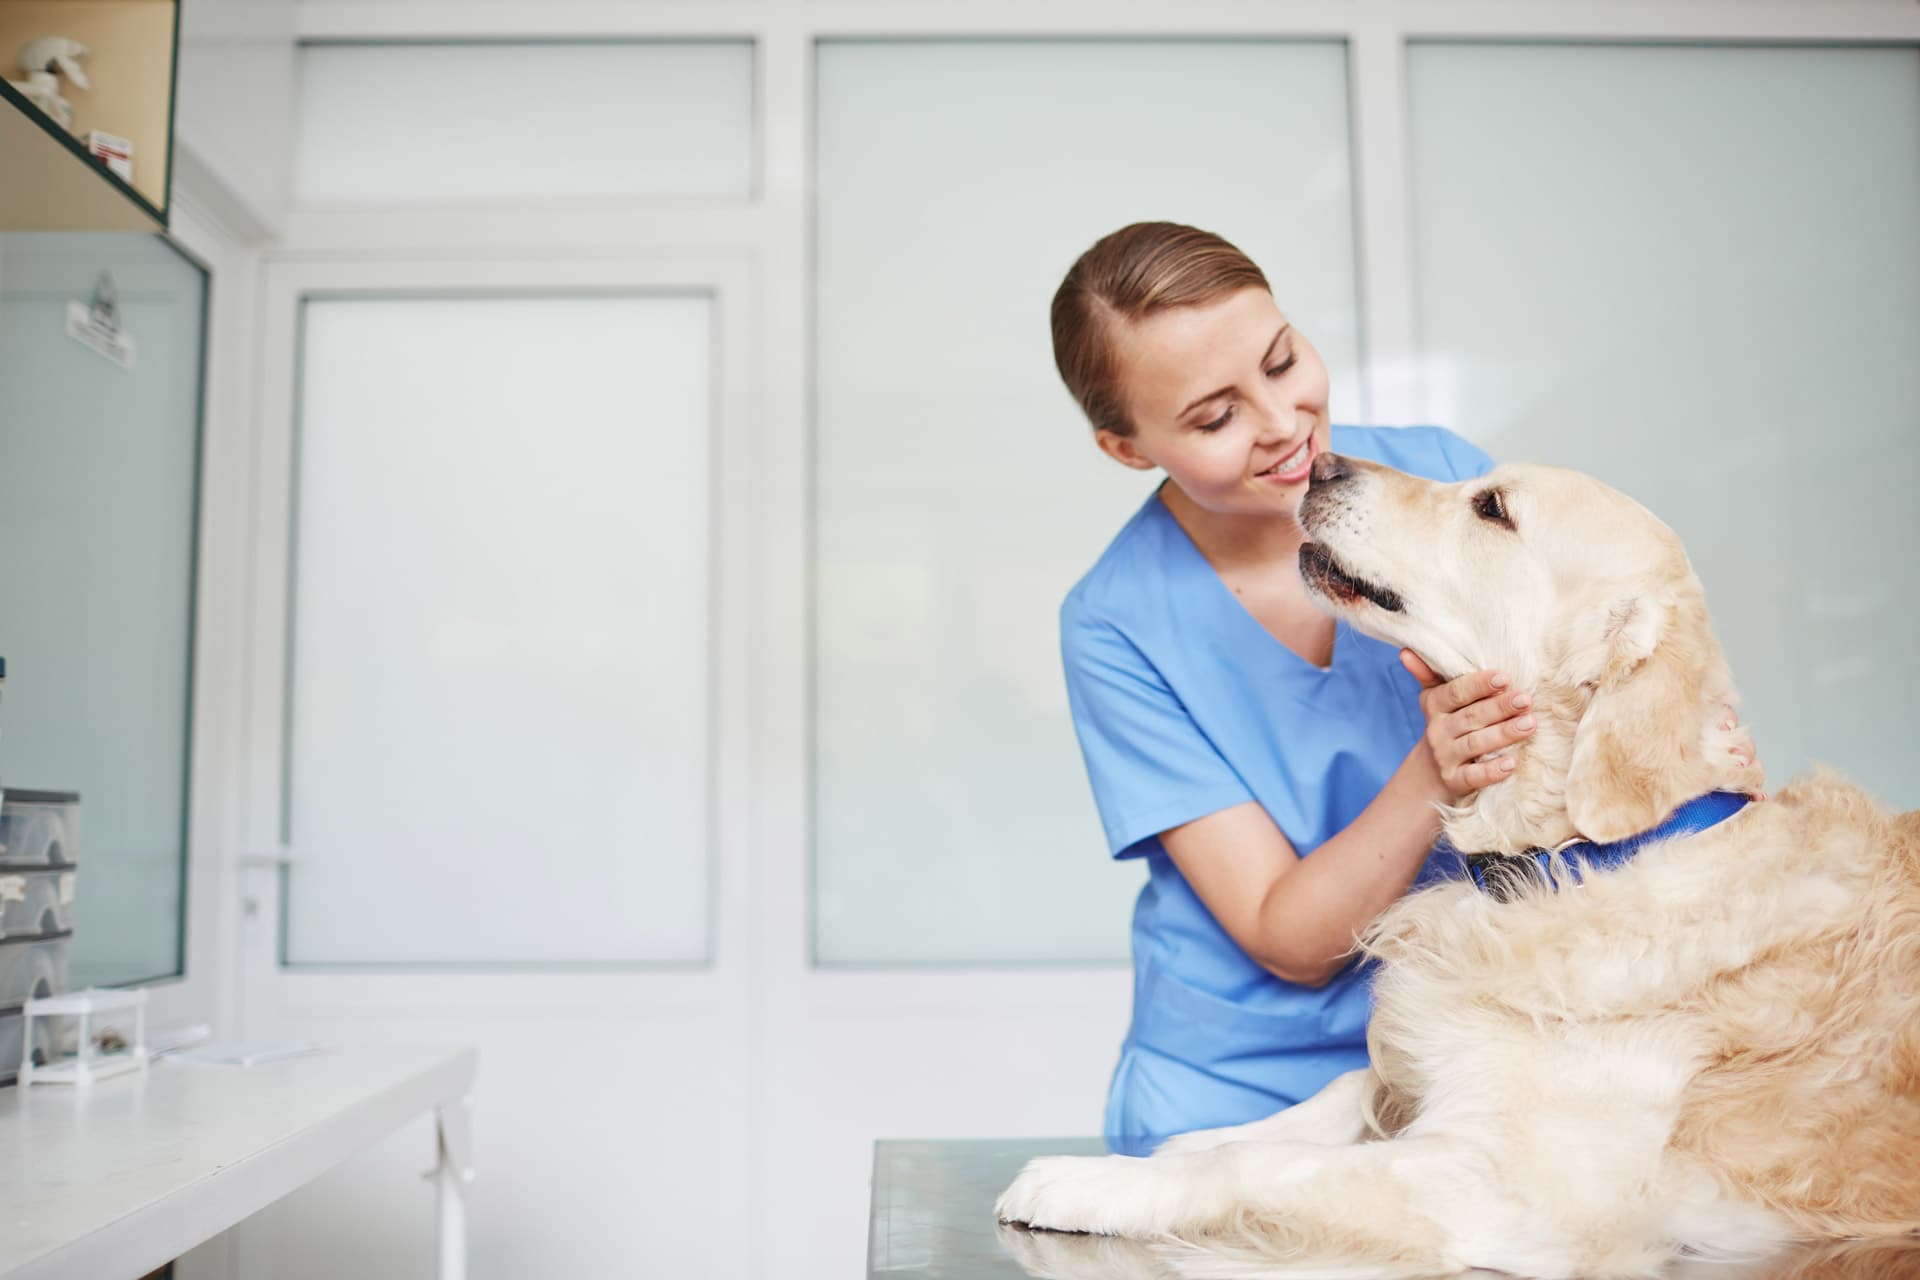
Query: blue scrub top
[(1186, 705)]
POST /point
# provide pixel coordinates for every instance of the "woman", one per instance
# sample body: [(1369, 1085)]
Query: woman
[(1280, 773)]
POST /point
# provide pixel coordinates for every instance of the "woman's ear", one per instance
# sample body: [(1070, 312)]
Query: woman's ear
[(1639, 735), (1123, 450)]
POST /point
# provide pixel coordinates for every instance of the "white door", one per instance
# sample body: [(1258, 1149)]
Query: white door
[(495, 747)]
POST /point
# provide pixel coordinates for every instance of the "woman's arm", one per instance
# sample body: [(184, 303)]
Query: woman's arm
[(1298, 917)]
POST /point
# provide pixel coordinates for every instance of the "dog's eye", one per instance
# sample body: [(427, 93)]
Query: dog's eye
[(1491, 505)]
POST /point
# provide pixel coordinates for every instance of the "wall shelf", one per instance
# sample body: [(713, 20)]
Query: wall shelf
[(48, 181)]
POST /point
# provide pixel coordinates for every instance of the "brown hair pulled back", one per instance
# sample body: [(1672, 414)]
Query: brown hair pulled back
[(1135, 272)]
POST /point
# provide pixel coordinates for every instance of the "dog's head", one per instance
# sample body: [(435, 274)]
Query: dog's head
[(1579, 593)]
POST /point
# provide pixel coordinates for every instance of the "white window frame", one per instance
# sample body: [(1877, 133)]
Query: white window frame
[(202, 994)]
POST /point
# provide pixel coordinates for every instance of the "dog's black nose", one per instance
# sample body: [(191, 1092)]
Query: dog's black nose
[(1327, 468)]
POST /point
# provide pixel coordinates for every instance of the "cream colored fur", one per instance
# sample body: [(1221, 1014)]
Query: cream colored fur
[(1713, 1050)]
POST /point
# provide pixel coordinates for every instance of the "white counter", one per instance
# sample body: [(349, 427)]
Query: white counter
[(121, 1178)]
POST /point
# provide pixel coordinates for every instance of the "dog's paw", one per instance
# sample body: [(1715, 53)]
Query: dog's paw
[(1050, 1193), (1101, 1195)]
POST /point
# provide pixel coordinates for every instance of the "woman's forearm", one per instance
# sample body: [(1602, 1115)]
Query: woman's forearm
[(1310, 917), (1298, 917)]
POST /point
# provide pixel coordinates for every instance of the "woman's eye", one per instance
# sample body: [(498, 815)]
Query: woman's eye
[(1489, 505), (1218, 422), (1284, 365)]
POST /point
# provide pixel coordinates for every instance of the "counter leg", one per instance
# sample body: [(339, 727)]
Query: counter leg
[(455, 1125)]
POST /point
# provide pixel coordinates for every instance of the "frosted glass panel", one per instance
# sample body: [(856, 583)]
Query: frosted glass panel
[(1695, 272), (959, 494), (525, 122), (99, 475), (497, 747)]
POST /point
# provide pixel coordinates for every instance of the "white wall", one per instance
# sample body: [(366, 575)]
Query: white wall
[(233, 109)]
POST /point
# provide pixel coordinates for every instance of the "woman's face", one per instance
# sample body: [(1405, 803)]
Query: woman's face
[(1227, 398)]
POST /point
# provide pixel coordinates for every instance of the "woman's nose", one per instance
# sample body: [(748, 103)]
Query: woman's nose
[(1277, 422)]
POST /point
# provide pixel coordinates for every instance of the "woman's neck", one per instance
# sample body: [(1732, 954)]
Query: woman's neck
[(1234, 541)]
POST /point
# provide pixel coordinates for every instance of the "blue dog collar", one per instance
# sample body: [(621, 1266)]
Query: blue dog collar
[(1500, 874)]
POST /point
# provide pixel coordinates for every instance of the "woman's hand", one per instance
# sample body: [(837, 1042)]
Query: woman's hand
[(1467, 719)]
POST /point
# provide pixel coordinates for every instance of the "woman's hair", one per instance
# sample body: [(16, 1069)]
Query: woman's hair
[(1135, 272)]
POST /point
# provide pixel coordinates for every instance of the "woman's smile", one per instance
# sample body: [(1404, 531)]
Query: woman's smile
[(1292, 468)]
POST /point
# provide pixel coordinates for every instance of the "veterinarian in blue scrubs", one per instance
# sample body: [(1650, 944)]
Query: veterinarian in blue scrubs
[(1278, 772)]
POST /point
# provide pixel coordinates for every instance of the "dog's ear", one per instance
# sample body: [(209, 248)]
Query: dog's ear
[(1635, 751)]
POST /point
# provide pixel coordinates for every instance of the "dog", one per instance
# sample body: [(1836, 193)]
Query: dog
[(1709, 1049)]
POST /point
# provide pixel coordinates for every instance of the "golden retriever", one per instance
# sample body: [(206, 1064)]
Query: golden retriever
[(1710, 1050)]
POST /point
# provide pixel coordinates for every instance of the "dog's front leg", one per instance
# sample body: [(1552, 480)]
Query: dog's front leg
[(1136, 1196), (1384, 1208), (1171, 1193), (1335, 1116)]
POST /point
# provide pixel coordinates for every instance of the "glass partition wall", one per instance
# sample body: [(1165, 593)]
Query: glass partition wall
[(99, 502), (595, 130), (497, 740)]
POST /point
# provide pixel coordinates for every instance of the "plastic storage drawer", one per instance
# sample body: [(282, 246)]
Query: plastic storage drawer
[(39, 828), (35, 902), (28, 970), (31, 969)]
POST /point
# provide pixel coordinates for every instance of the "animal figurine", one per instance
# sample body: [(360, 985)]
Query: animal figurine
[(45, 60)]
